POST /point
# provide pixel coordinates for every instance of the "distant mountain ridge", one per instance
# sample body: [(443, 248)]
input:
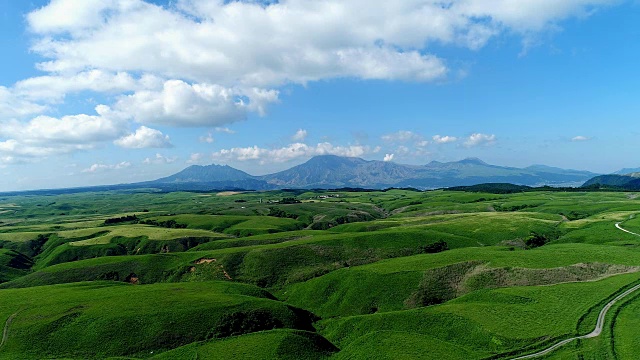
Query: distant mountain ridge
[(627, 171), (330, 171), (212, 173), (627, 182)]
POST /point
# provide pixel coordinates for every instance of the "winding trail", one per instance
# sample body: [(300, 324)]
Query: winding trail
[(625, 230), (599, 324), (595, 333), (5, 333)]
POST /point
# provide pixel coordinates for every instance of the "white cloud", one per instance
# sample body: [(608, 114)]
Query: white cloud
[(69, 16), (300, 135), (248, 42), (403, 150), (388, 157), (53, 88), (143, 138), (73, 129), (160, 159), (478, 139), (268, 44), (196, 158), (444, 139), (102, 167), (207, 139), (45, 136), (402, 136), (580, 138), (529, 15), (13, 105), (15, 151), (287, 153), (183, 104), (209, 63), (225, 130)]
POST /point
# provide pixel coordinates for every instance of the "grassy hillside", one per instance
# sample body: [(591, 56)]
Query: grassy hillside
[(275, 344), (397, 274), (481, 324), (102, 319)]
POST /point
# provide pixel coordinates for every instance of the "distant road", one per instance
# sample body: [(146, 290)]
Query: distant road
[(599, 324), (627, 231), (595, 333)]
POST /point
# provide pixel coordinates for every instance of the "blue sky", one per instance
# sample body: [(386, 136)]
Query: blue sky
[(112, 91)]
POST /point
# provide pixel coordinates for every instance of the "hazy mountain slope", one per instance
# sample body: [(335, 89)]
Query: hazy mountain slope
[(209, 173), (627, 171), (330, 171), (631, 182), (335, 171)]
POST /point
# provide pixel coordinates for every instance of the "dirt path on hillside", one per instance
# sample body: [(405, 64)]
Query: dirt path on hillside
[(599, 324), (595, 333), (5, 333)]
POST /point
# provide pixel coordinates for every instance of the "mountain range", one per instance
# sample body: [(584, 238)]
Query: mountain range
[(628, 181), (332, 172), (329, 171)]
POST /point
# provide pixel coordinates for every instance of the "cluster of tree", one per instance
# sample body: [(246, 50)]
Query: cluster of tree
[(127, 218), (345, 219), (289, 200), (171, 224), (281, 213), (496, 188), (537, 239), (506, 208), (575, 215), (436, 247)]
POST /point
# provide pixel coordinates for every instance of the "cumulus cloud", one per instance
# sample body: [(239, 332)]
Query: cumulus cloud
[(13, 106), (52, 88), (13, 151), (248, 42), (102, 167), (181, 104), (204, 63), (444, 139), (196, 158), (160, 159), (300, 135), (73, 129), (207, 139), (529, 15), (478, 139), (277, 42), (45, 136), (580, 138), (144, 137), (225, 130), (388, 157), (287, 153), (403, 150), (402, 136)]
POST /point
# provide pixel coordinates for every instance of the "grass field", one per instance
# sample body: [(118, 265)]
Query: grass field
[(395, 274)]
